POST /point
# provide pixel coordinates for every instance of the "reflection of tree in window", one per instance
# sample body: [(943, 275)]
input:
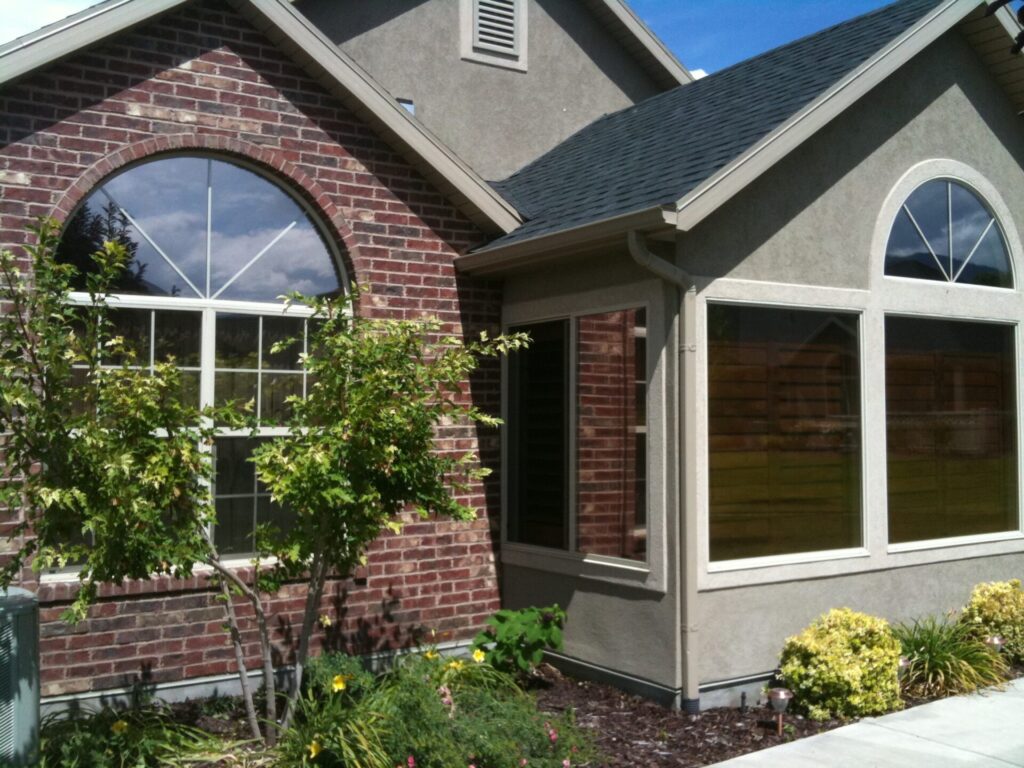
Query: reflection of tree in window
[(231, 242)]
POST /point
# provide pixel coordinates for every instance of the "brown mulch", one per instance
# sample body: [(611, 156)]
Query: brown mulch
[(630, 731)]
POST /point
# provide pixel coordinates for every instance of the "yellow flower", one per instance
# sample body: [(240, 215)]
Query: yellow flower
[(338, 683), (314, 749), (479, 656), (431, 655), (455, 665), (119, 727), (325, 621)]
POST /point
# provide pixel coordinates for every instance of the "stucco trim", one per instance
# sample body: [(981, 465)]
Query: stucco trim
[(701, 202), (653, 52), (299, 38)]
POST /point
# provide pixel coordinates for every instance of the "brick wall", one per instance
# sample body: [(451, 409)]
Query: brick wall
[(204, 79), (608, 416)]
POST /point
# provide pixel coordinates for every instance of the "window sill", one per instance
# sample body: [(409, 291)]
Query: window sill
[(594, 567), (238, 563), (496, 60), (958, 541), (754, 563)]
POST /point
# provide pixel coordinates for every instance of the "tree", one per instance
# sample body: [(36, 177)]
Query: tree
[(108, 467)]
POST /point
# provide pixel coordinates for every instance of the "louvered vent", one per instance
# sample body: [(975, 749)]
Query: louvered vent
[(6, 691), (495, 26), (19, 679)]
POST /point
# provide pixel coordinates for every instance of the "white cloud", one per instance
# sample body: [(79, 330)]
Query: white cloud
[(21, 17), (698, 73)]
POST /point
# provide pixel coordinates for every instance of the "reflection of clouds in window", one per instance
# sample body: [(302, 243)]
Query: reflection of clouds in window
[(945, 232), (175, 212)]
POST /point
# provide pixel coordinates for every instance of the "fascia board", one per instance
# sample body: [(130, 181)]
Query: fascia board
[(651, 42), (520, 254), (701, 202), (440, 165), (94, 25)]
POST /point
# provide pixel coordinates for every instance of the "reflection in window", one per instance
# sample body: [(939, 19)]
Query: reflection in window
[(951, 428), (609, 439), (538, 437), (944, 232), (202, 228), (205, 230), (611, 390), (785, 423)]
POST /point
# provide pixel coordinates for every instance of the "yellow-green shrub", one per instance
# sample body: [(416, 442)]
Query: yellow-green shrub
[(997, 608), (845, 664)]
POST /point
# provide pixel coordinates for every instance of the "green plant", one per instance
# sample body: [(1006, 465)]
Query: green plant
[(946, 657), (361, 445), (453, 712), (997, 608), (515, 641), (137, 738), (845, 664), (334, 729)]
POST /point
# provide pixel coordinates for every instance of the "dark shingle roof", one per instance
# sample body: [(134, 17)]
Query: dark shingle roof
[(656, 152)]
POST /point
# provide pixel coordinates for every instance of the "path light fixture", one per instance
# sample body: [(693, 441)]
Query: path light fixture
[(904, 667), (779, 698), (995, 643)]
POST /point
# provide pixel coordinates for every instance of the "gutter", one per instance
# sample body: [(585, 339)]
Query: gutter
[(685, 400)]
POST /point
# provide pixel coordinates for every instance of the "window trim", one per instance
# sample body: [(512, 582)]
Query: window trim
[(652, 574), (470, 51)]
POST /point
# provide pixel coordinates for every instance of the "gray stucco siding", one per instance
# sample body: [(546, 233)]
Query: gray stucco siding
[(741, 630), (811, 219), (496, 119)]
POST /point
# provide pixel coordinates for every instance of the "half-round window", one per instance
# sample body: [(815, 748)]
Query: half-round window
[(945, 232), (214, 245), (203, 228)]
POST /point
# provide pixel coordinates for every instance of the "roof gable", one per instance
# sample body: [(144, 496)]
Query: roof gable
[(297, 36), (682, 154)]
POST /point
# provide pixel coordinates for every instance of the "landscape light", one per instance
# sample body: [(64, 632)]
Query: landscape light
[(779, 698), (995, 643)]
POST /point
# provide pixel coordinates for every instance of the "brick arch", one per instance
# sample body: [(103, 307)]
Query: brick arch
[(300, 181)]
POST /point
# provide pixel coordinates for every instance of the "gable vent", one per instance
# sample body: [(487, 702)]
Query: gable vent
[(495, 26)]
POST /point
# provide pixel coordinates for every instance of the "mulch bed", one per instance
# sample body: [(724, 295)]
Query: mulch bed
[(630, 731)]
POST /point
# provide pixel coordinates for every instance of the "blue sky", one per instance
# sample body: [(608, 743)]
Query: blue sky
[(704, 34)]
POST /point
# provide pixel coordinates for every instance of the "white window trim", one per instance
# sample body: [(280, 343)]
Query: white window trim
[(885, 296), (470, 52), (650, 575)]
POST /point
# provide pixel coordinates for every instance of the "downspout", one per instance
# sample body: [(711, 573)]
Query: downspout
[(685, 399)]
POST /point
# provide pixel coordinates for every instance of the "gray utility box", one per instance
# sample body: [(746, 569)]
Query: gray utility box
[(19, 678)]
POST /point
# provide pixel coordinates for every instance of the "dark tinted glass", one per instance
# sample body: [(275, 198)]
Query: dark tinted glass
[(178, 336), (784, 431), (238, 341), (610, 419), (279, 329), (951, 428), (538, 437)]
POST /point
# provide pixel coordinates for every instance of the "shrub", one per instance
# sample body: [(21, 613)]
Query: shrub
[(845, 664), (946, 657), (335, 730), (515, 641), (445, 713), (997, 608), (137, 738)]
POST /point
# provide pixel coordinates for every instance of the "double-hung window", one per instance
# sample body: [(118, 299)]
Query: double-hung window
[(214, 246)]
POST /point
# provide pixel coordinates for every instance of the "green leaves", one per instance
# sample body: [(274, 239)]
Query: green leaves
[(515, 641)]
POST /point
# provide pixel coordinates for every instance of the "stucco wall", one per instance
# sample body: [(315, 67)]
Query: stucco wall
[(811, 219), (496, 119)]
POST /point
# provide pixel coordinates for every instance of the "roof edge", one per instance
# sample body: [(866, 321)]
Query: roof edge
[(721, 187), (497, 259), (658, 51), (81, 30), (470, 190)]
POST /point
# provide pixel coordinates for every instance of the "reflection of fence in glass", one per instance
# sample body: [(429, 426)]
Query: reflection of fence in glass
[(611, 434), (951, 429), (784, 431)]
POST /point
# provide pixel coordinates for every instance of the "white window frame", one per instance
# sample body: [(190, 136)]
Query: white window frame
[(884, 296), (652, 574), (470, 51), (208, 308)]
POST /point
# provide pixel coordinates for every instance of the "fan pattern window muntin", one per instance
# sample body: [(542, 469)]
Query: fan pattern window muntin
[(218, 362), (963, 240), (206, 228)]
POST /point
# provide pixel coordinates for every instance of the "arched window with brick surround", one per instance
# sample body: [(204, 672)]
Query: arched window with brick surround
[(215, 245)]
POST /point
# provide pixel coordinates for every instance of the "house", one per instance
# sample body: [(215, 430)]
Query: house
[(775, 311)]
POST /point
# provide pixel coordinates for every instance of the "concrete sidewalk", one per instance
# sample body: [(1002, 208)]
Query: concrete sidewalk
[(981, 731)]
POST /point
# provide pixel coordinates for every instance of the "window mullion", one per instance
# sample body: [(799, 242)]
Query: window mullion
[(949, 212), (209, 223)]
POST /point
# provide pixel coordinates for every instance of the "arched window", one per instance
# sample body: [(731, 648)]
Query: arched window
[(945, 232), (214, 246), (950, 376)]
